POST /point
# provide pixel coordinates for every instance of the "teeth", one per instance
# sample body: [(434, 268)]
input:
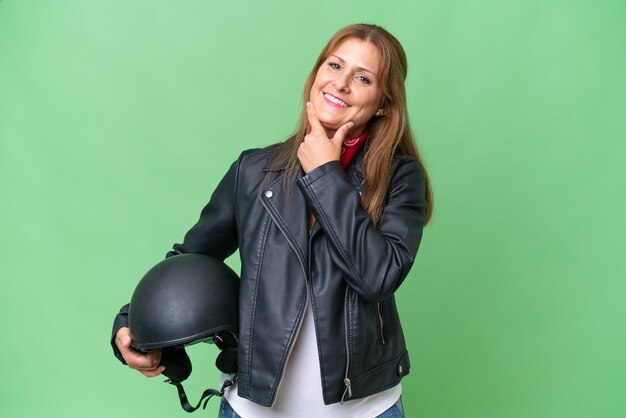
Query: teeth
[(335, 100)]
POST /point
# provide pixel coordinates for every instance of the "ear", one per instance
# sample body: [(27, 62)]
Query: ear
[(380, 112)]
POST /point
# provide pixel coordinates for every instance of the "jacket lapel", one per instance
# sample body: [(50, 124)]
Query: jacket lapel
[(289, 213)]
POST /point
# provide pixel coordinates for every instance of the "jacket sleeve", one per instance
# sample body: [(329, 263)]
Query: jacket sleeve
[(121, 321), (374, 260), (215, 234)]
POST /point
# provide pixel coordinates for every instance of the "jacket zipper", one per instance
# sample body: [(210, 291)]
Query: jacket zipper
[(346, 379), (295, 250), (380, 319)]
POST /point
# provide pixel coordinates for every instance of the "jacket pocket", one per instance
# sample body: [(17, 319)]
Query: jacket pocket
[(381, 324)]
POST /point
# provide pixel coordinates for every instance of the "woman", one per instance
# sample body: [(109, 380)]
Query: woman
[(327, 225)]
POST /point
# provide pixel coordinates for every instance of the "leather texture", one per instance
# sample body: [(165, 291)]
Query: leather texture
[(349, 268)]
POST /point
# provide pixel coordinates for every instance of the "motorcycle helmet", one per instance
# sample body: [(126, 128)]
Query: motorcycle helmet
[(183, 300)]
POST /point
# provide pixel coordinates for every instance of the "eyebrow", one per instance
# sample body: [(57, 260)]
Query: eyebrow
[(360, 68)]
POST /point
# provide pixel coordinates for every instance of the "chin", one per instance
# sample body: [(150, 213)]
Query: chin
[(331, 126), (331, 122)]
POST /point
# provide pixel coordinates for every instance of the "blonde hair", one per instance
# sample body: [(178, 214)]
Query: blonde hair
[(387, 136)]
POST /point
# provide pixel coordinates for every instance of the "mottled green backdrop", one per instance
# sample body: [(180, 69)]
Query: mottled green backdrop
[(118, 118)]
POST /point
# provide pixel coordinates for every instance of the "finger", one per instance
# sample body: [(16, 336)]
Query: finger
[(147, 363), (122, 338), (140, 361), (153, 373), (124, 345), (150, 368), (316, 125), (341, 133), (154, 357)]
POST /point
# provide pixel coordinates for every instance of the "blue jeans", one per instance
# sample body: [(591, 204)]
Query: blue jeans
[(396, 411)]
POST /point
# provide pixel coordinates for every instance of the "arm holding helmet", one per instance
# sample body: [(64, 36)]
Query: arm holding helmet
[(215, 235)]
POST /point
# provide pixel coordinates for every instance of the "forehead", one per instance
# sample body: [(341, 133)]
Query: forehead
[(358, 53)]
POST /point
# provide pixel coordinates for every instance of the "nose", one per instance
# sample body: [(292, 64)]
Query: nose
[(342, 82)]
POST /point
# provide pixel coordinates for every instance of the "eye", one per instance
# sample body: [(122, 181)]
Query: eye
[(363, 79), (334, 65)]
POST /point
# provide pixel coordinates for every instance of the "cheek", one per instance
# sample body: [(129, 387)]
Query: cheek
[(315, 88), (375, 102), (370, 104), (319, 79)]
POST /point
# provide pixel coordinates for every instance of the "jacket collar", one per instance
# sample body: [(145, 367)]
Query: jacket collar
[(290, 212), (355, 165)]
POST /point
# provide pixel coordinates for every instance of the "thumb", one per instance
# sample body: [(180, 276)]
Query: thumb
[(126, 341), (341, 133), (123, 337)]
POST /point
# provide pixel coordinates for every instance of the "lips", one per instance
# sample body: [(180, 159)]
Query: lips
[(334, 101)]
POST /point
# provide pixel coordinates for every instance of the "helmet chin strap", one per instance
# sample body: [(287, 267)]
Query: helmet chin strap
[(206, 395), (178, 368)]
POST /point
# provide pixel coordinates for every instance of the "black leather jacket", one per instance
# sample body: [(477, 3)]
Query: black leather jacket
[(349, 269)]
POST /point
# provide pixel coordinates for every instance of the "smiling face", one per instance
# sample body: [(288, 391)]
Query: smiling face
[(346, 87)]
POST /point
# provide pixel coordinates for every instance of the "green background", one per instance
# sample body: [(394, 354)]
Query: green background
[(118, 118)]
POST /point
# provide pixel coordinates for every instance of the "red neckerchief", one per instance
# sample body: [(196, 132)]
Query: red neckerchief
[(350, 147)]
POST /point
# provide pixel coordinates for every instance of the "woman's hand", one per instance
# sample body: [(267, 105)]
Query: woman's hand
[(147, 364), (317, 148)]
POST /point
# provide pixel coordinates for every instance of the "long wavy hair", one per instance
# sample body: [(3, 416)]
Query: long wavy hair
[(388, 135)]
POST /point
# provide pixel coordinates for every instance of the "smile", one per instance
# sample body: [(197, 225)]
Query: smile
[(335, 101)]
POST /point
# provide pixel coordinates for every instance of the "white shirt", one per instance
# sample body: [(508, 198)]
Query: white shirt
[(300, 392)]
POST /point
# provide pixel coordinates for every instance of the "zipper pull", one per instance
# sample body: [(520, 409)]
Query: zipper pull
[(347, 390), (346, 381)]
